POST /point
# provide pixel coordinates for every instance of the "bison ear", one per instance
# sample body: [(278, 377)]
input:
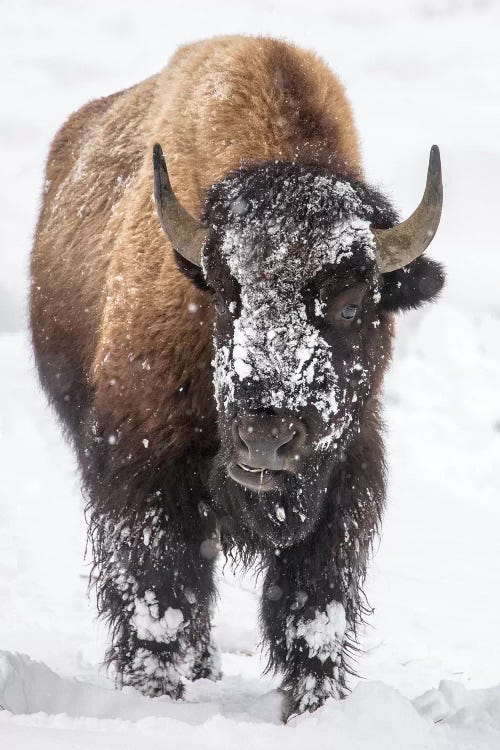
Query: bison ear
[(192, 271), (411, 286)]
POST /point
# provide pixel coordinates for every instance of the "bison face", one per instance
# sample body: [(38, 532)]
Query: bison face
[(302, 332), (300, 338)]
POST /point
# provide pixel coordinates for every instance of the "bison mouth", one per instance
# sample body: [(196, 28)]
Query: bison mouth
[(258, 479), (277, 506)]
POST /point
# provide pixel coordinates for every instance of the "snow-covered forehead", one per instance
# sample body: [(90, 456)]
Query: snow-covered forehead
[(322, 217), (274, 255), (277, 256)]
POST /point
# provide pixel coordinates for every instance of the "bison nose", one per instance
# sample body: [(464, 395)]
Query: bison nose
[(274, 442)]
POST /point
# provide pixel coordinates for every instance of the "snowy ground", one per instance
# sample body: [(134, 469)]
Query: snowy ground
[(418, 72)]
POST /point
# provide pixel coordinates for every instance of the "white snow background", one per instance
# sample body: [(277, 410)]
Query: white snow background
[(417, 72)]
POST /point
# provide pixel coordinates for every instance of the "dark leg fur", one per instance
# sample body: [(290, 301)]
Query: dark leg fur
[(154, 543), (155, 588), (313, 601)]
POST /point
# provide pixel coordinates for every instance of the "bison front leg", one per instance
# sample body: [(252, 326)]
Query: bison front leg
[(308, 615), (155, 587)]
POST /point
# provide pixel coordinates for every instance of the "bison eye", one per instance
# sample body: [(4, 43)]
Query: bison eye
[(349, 312), (220, 307)]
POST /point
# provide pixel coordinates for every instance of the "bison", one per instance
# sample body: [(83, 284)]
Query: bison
[(219, 370)]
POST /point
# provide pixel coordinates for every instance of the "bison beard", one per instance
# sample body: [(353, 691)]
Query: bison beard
[(275, 518)]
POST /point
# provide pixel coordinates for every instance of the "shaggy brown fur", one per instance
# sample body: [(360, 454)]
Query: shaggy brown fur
[(106, 291)]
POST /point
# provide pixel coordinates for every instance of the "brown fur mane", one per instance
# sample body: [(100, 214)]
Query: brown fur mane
[(131, 328)]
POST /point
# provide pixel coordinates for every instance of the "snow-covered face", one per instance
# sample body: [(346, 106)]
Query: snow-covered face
[(296, 294)]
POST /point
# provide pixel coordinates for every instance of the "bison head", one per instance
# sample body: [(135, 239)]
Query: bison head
[(305, 269)]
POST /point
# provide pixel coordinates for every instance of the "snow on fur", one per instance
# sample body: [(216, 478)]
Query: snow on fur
[(323, 633), (275, 344)]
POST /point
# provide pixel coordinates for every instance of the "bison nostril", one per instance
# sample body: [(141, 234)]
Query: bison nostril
[(239, 433), (245, 434), (299, 435), (292, 448), (282, 441)]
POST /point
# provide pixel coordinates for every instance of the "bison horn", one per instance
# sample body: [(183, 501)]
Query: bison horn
[(186, 235), (398, 246)]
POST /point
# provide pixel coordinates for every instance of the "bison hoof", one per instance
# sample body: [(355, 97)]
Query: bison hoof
[(203, 665), (293, 705), (206, 671), (312, 694)]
